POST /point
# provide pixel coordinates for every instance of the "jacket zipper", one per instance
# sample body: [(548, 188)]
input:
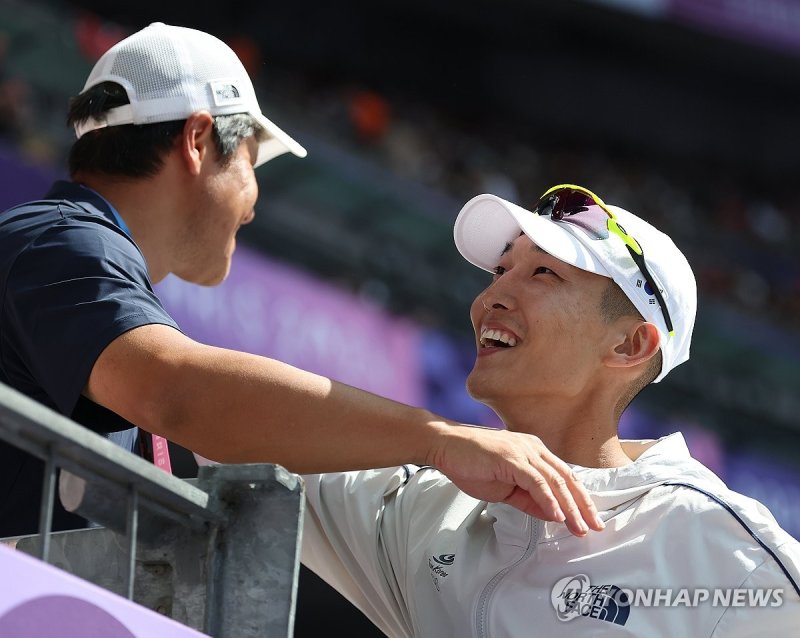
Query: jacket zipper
[(491, 586)]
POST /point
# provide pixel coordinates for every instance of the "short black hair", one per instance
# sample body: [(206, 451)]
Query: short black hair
[(129, 150), (613, 305)]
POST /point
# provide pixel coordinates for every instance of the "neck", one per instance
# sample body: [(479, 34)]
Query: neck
[(147, 205), (583, 433)]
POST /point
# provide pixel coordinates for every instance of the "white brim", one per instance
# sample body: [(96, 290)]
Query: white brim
[(278, 142), (487, 224)]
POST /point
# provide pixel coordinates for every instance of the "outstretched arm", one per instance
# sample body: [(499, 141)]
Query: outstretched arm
[(237, 408)]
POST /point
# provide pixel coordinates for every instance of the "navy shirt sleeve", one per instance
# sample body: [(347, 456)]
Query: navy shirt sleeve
[(73, 290)]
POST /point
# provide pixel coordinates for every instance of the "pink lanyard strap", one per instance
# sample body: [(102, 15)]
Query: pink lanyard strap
[(161, 453), (160, 447)]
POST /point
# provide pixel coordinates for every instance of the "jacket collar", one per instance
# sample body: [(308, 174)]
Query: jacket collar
[(656, 462)]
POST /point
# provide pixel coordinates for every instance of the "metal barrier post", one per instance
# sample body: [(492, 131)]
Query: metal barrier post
[(220, 555)]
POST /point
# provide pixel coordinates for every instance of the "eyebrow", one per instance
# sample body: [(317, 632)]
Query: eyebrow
[(534, 247)]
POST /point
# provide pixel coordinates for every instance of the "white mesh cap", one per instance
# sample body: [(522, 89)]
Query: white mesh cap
[(171, 72), (487, 223)]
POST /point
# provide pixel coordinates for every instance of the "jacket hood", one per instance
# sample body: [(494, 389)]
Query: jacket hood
[(655, 461)]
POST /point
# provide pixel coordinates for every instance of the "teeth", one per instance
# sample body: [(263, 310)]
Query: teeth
[(497, 335)]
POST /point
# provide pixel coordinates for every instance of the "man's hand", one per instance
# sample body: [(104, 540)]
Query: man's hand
[(517, 469)]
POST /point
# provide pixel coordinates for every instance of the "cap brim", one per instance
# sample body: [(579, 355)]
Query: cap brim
[(487, 224), (278, 142)]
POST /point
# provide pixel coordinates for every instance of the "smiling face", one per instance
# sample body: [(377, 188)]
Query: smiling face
[(542, 335)]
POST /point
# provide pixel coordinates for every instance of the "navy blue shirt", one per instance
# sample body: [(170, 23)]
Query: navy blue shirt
[(71, 281)]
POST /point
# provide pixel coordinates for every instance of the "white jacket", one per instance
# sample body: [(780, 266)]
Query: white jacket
[(420, 558)]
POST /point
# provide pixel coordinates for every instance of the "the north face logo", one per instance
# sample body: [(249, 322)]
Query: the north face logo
[(575, 596), (225, 93)]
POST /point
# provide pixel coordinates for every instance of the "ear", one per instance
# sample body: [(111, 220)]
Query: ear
[(197, 141), (638, 345)]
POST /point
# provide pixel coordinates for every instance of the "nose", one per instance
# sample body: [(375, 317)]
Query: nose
[(498, 296), (488, 302), (488, 306), (496, 305)]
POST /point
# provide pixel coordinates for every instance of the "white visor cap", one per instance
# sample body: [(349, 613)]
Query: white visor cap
[(487, 223)]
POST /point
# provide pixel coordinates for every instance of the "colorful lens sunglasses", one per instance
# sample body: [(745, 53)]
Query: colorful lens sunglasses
[(566, 200)]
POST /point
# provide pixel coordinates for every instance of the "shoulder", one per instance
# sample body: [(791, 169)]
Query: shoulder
[(409, 493), (778, 611), (55, 214), (78, 242), (80, 230), (710, 504), (406, 480), (727, 525)]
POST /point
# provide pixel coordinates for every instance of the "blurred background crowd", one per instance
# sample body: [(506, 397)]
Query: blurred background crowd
[(683, 111)]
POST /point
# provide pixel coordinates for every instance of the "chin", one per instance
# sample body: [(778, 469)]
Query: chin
[(218, 274), (477, 387), (216, 280), (211, 282), (488, 389), (209, 278)]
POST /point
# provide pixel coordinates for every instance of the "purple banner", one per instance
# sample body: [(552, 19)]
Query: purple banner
[(769, 23), (38, 600), (21, 180), (704, 445), (446, 363), (270, 309), (772, 483)]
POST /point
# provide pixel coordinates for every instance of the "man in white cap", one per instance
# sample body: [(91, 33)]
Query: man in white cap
[(169, 132), (587, 305)]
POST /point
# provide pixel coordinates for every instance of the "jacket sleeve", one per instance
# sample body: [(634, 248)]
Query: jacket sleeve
[(345, 543), (780, 615)]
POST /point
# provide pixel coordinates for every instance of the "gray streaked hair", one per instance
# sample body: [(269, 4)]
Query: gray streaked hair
[(230, 130)]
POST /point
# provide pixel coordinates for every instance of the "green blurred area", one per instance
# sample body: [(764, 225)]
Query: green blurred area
[(42, 48), (341, 216)]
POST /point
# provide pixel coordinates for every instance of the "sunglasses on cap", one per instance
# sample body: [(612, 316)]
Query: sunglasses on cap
[(569, 200)]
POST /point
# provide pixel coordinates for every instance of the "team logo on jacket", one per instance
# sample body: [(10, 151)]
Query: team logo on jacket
[(439, 565), (575, 596)]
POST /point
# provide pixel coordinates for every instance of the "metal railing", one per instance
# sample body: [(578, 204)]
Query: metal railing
[(219, 554)]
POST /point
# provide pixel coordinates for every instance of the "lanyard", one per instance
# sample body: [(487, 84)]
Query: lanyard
[(159, 443), (161, 453)]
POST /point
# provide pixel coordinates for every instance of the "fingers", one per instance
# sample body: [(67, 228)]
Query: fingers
[(519, 470), (563, 494), (581, 513), (558, 493), (522, 500), (540, 493)]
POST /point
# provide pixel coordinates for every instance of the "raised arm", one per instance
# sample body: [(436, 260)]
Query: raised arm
[(235, 407)]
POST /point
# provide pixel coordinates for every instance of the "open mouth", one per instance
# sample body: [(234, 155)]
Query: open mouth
[(497, 339)]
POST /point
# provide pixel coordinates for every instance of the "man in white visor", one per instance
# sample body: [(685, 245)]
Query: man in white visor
[(588, 304)]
